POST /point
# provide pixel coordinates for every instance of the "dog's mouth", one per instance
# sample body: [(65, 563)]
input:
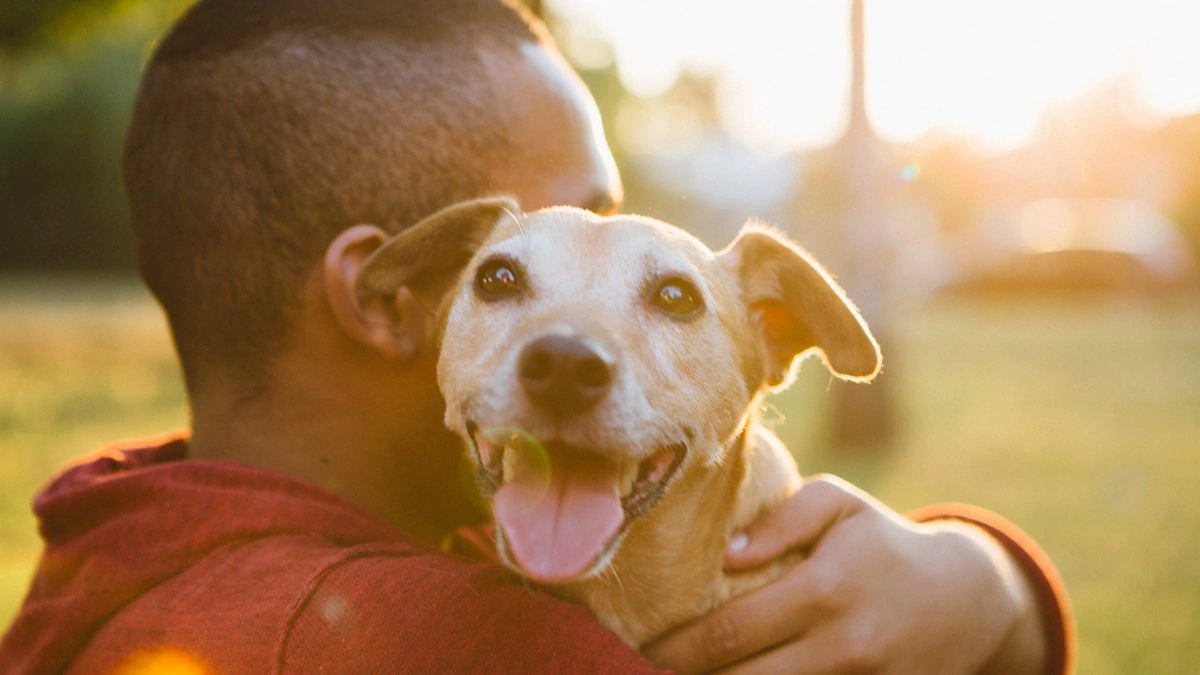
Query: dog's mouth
[(562, 510)]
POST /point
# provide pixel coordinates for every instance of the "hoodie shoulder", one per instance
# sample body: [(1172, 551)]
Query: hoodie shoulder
[(133, 519)]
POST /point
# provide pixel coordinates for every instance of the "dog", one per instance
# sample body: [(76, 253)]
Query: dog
[(605, 374)]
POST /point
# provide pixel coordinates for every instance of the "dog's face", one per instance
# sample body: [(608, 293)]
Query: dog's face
[(589, 361), (614, 343)]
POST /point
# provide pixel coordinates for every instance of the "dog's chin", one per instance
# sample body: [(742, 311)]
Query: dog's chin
[(537, 489)]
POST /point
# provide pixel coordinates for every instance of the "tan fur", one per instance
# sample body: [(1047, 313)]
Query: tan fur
[(696, 381), (669, 568)]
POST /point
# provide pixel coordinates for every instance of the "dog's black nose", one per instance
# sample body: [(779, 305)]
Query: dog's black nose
[(564, 375)]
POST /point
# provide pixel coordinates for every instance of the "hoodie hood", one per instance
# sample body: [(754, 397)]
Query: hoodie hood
[(123, 521)]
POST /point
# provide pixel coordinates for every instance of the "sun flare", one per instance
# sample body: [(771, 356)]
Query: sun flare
[(985, 70)]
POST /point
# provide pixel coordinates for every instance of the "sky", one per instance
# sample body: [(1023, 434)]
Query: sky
[(985, 70)]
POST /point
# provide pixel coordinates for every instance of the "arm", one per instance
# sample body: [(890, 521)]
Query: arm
[(1055, 625), (876, 591)]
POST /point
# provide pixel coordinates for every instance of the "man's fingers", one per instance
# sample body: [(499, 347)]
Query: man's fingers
[(744, 626), (796, 523)]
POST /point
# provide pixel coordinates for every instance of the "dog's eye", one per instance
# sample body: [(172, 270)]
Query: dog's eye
[(498, 279), (678, 298)]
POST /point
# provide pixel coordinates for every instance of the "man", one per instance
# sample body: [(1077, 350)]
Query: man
[(274, 145)]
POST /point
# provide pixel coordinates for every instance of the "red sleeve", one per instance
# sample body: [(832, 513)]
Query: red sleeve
[(439, 613), (1051, 594)]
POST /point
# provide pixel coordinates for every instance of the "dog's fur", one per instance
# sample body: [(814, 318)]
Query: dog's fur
[(696, 380)]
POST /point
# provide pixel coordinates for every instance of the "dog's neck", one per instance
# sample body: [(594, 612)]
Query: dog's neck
[(669, 569)]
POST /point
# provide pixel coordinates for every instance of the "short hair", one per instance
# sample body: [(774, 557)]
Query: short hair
[(262, 128)]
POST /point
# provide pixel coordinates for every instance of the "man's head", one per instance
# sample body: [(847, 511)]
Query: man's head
[(265, 128)]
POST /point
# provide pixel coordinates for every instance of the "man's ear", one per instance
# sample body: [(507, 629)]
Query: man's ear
[(392, 331), (385, 291), (799, 309)]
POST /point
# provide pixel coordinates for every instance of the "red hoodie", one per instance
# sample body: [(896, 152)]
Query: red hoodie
[(153, 562)]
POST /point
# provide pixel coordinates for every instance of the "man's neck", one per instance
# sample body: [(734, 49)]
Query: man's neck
[(346, 440)]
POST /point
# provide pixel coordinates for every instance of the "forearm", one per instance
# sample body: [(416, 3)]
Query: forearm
[(1025, 648), (1042, 637)]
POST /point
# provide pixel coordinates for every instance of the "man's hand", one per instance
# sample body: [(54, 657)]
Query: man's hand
[(874, 593)]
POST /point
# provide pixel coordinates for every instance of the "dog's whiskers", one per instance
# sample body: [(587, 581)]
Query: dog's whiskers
[(771, 415), (611, 570), (515, 220)]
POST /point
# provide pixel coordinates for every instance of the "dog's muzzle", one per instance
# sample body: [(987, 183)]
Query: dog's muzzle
[(561, 510)]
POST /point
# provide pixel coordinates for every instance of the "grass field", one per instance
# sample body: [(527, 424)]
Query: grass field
[(1078, 420)]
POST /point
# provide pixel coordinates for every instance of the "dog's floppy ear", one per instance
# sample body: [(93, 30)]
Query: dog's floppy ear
[(384, 292), (799, 309), (427, 257)]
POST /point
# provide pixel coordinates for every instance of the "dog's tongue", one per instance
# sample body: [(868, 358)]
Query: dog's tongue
[(558, 515)]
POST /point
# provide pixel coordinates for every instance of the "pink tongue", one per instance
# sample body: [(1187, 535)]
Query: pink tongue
[(556, 526)]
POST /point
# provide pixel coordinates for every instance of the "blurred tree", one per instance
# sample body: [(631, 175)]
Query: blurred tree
[(65, 95), (24, 23), (1179, 142), (952, 181), (60, 186)]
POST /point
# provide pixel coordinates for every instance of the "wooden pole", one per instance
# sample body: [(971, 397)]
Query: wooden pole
[(862, 416)]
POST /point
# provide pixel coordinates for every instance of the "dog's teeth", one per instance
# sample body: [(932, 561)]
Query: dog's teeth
[(661, 463), (509, 462), (629, 472)]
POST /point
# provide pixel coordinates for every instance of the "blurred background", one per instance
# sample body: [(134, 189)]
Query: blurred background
[(1010, 192)]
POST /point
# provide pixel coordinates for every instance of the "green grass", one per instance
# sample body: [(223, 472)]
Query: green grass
[(1080, 421)]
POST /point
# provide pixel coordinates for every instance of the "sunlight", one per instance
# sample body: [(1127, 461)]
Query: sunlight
[(162, 661), (1166, 70), (984, 70)]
